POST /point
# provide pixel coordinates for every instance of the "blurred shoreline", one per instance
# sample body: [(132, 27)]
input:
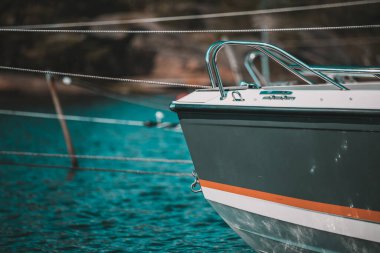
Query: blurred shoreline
[(36, 86)]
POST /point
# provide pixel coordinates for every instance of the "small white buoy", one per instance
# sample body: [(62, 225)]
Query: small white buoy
[(66, 80), (159, 116)]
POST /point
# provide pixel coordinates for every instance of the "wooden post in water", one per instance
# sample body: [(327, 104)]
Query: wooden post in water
[(57, 105)]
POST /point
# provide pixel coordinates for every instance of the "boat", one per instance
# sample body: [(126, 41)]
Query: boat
[(290, 168)]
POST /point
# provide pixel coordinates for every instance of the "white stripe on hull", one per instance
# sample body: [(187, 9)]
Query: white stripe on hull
[(321, 221)]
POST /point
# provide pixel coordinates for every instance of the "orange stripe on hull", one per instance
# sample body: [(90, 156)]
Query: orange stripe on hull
[(355, 213)]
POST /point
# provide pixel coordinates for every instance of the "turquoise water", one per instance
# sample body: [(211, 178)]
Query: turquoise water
[(41, 210)]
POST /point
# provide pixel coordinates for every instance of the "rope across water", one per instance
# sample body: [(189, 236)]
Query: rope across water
[(250, 30), (118, 79), (139, 172), (91, 119), (98, 157), (202, 16)]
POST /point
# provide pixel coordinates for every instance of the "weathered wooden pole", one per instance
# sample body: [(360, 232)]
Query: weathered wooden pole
[(57, 105)]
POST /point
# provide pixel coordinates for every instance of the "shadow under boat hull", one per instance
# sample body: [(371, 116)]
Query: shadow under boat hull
[(296, 181)]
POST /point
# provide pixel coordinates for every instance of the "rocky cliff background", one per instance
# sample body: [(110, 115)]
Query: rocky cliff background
[(177, 57)]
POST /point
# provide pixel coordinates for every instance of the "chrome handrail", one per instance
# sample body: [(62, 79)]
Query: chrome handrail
[(267, 49), (249, 60), (348, 71), (335, 71)]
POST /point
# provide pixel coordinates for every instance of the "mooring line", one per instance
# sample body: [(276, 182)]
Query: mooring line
[(97, 157), (202, 16), (88, 119), (118, 79), (120, 97), (249, 30), (138, 172)]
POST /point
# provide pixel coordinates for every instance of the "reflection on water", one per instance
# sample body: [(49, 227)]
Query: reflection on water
[(40, 210)]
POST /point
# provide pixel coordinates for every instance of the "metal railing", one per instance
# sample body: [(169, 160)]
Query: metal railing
[(338, 73), (283, 58)]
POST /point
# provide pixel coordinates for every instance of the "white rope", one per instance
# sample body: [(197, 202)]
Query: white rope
[(138, 172), (250, 30), (202, 16), (150, 82), (97, 157), (82, 118), (121, 97)]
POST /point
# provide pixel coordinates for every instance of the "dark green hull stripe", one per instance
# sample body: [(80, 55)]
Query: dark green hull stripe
[(333, 160), (274, 110)]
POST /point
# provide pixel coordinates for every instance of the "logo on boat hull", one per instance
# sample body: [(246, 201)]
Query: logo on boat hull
[(274, 97)]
